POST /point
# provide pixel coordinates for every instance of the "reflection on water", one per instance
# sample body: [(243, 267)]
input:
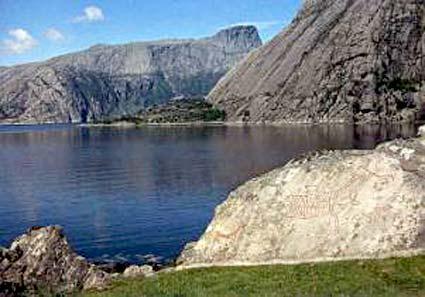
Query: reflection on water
[(122, 193)]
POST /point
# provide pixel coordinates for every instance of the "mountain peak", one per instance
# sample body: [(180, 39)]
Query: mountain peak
[(242, 29), (245, 35)]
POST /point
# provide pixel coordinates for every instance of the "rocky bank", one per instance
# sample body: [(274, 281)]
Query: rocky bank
[(330, 205), (338, 61), (42, 262), (107, 82)]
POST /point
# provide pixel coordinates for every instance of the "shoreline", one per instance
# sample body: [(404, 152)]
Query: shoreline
[(127, 124)]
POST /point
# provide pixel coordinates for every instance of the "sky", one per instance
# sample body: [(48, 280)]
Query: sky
[(34, 30)]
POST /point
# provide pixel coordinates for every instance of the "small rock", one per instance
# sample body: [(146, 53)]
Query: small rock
[(407, 153), (95, 279), (422, 131), (138, 271)]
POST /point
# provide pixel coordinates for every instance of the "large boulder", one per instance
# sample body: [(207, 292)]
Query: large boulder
[(326, 206), (42, 260)]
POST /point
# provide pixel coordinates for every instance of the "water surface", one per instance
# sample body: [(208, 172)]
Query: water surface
[(125, 193)]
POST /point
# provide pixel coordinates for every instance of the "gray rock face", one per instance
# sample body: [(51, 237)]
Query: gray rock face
[(339, 61), (43, 260), (106, 82), (327, 206)]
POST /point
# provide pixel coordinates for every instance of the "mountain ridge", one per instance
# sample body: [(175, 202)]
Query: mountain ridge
[(110, 81)]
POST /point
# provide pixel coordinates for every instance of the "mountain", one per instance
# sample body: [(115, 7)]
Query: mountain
[(338, 61), (111, 81)]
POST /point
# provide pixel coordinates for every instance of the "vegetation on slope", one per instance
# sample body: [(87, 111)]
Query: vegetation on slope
[(174, 112), (392, 277)]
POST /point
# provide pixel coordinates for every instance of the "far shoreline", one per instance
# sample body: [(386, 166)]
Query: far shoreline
[(128, 124)]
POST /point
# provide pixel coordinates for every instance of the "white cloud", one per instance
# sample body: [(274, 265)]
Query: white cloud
[(54, 35), (90, 14), (262, 25), (20, 42)]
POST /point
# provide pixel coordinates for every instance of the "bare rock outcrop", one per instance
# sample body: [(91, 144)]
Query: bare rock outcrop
[(42, 261), (326, 206), (107, 82), (338, 61)]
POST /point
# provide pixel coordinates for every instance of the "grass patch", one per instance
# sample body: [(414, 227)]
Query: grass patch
[(392, 277)]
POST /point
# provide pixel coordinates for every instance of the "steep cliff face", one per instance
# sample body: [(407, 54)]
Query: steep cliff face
[(339, 61), (105, 82)]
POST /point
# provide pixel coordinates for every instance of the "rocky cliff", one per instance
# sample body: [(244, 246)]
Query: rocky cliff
[(106, 82), (338, 61), (326, 206)]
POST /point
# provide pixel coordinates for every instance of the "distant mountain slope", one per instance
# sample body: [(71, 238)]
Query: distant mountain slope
[(106, 82), (339, 61)]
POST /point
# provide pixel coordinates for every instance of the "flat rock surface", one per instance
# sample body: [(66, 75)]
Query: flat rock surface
[(326, 206), (338, 61)]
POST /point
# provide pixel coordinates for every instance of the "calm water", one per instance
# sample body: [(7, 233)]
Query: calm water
[(125, 193)]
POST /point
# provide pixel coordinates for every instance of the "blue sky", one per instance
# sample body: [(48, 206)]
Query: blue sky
[(32, 30)]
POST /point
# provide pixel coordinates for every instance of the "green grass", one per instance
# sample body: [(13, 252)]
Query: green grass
[(392, 277)]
